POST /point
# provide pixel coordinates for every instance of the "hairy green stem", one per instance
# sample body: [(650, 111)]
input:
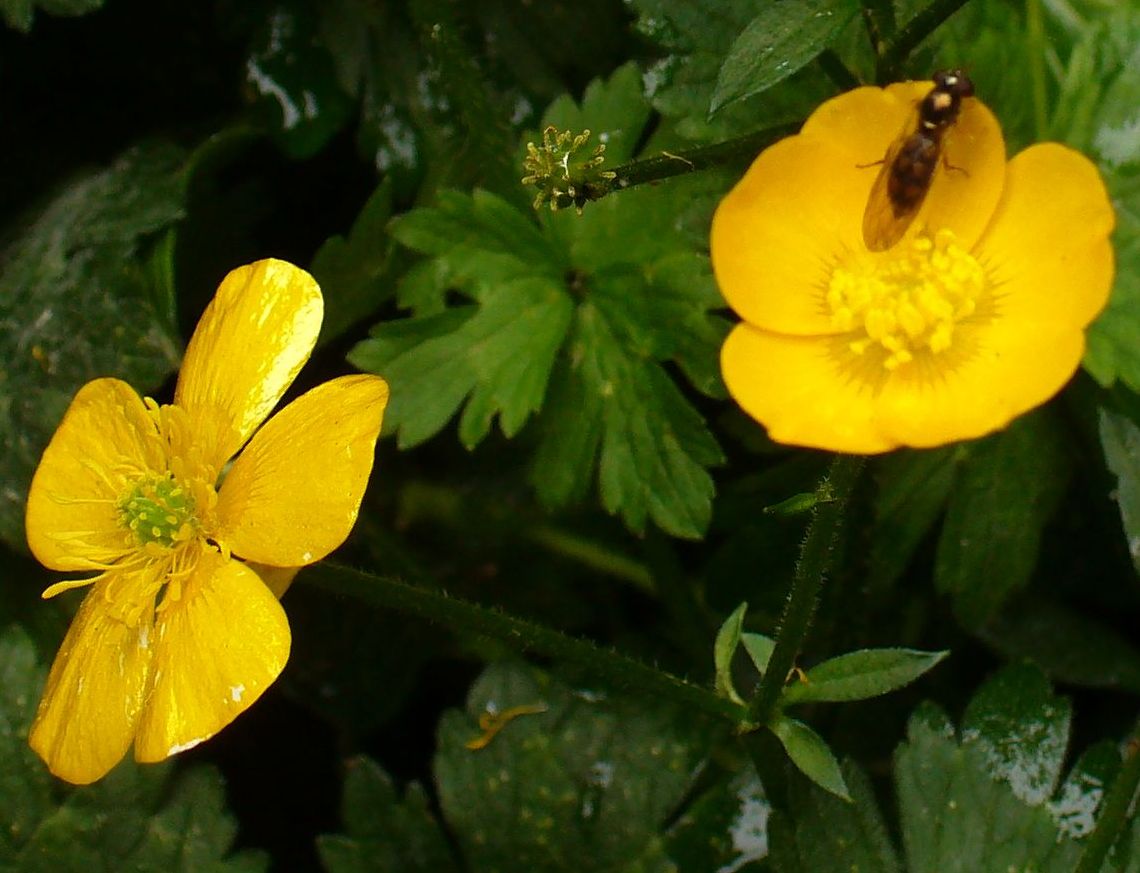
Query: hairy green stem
[(1114, 812), (816, 555), (914, 32), (463, 616), (666, 164)]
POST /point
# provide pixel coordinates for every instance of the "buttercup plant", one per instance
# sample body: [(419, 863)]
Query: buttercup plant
[(974, 317), (181, 630)]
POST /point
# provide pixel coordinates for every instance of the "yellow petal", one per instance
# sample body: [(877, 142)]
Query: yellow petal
[(87, 717), (776, 235), (252, 340), (276, 579), (1011, 369), (72, 518), (216, 649), (799, 390), (1047, 251), (293, 495)]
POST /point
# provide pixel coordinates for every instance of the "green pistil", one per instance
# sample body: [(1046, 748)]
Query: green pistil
[(157, 511)]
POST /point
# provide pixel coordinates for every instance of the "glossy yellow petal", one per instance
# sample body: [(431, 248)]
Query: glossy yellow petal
[(776, 235), (216, 649), (293, 495), (1011, 368), (1047, 251), (87, 717), (72, 517), (800, 391), (967, 187), (252, 340), (865, 121), (276, 579)]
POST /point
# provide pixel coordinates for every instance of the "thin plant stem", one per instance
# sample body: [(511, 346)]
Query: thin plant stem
[(815, 560), (1114, 812), (914, 32), (834, 68), (667, 164), (879, 19), (616, 670)]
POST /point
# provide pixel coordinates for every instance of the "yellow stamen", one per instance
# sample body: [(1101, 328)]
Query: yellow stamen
[(907, 303)]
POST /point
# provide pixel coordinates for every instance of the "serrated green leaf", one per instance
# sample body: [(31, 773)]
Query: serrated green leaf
[(136, 818), (585, 784), (957, 818), (821, 832), (353, 271), (19, 13), (727, 641), (726, 828), (384, 832), (779, 41), (861, 675), (1120, 439), (810, 754), (1022, 729), (759, 649), (1005, 492), (77, 302)]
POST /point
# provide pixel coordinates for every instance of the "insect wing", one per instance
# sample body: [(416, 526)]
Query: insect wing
[(882, 225)]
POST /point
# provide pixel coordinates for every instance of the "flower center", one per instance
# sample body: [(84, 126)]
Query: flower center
[(158, 510), (909, 303)]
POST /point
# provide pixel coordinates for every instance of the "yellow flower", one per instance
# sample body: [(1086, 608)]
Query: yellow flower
[(177, 636), (975, 316)]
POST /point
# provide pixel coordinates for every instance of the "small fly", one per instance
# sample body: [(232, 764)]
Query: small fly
[(909, 165)]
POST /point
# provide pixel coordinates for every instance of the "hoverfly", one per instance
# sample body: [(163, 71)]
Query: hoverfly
[(909, 165)]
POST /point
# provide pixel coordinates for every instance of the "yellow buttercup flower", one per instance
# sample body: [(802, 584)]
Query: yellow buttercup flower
[(181, 630), (976, 315)]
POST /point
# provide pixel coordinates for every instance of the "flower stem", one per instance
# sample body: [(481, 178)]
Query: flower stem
[(879, 19), (816, 554), (1035, 27), (666, 164), (1114, 813), (914, 32), (614, 669)]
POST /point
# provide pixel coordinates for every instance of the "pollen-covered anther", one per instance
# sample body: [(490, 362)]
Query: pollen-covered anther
[(909, 302)]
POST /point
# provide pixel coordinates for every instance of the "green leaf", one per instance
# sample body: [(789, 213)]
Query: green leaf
[(26, 787), (1022, 729), (586, 784), (600, 306), (957, 818), (354, 273), (18, 14), (1114, 338), (382, 831), (725, 828), (759, 649), (78, 301), (860, 675), (295, 80), (1120, 439), (821, 832), (727, 641), (912, 490), (697, 35), (782, 39), (1069, 646), (1006, 491), (810, 754), (139, 816)]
